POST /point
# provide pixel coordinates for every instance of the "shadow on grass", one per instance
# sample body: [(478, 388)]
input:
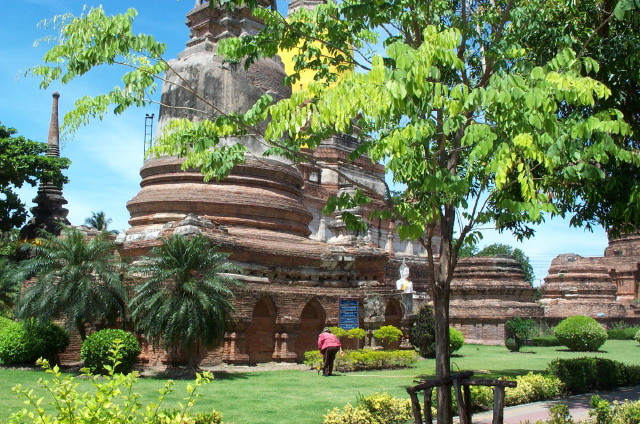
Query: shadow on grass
[(190, 375), (583, 351), (510, 373)]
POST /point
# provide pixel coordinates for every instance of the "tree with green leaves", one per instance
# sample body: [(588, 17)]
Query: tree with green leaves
[(98, 220), (517, 254), (77, 279), (477, 126), (613, 40), (186, 298), (23, 162)]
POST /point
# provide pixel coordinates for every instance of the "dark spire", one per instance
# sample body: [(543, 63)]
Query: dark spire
[(49, 211)]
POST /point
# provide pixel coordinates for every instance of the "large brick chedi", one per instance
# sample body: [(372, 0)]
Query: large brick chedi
[(292, 282)]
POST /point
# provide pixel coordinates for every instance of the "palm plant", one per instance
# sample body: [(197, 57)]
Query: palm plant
[(76, 279), (98, 220), (186, 300)]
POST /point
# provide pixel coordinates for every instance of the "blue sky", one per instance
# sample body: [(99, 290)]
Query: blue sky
[(107, 155)]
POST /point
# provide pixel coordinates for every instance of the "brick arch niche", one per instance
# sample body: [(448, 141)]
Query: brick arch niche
[(312, 321), (261, 331), (393, 316)]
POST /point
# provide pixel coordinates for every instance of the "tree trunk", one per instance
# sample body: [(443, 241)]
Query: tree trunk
[(81, 330), (441, 293), (443, 360)]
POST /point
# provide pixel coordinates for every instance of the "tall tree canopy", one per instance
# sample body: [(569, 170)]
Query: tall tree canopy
[(23, 161), (481, 121)]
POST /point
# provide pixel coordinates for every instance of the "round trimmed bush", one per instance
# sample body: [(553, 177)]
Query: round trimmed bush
[(95, 351), (637, 337), (456, 340), (581, 333), (24, 344), (48, 339), (14, 344)]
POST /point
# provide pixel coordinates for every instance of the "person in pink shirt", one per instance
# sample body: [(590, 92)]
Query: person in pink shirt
[(329, 345)]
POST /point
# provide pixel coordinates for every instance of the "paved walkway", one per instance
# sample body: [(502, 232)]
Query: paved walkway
[(579, 406)]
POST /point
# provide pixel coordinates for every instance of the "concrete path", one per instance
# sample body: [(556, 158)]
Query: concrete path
[(578, 405)]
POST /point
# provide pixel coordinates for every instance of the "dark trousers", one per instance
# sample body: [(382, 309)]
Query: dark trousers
[(329, 357)]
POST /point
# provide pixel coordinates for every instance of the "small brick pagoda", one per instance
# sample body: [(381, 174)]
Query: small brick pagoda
[(602, 287)]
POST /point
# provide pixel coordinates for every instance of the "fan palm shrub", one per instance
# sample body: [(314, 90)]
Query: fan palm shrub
[(186, 300), (77, 279)]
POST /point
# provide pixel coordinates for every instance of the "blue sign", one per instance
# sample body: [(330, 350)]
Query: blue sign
[(349, 318)]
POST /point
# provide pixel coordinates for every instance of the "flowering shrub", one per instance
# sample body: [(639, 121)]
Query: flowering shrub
[(581, 333), (627, 412), (531, 388), (365, 359), (375, 409)]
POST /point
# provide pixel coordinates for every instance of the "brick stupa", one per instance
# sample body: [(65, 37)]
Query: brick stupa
[(260, 213)]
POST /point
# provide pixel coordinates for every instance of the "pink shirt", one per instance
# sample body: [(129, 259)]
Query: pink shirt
[(326, 340)]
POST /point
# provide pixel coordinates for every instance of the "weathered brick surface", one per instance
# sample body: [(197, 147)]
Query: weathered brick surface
[(580, 286)]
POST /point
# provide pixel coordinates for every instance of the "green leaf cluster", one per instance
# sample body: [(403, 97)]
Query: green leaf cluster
[(113, 400), (97, 349), (93, 40), (25, 342)]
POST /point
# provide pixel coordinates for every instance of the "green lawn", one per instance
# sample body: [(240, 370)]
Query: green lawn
[(304, 397)]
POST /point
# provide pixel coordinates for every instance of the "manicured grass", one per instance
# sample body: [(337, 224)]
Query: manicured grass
[(304, 397)]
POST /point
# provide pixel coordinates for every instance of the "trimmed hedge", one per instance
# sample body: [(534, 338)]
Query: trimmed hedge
[(627, 333), (24, 344), (545, 341), (582, 374), (95, 351), (581, 333), (365, 359)]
